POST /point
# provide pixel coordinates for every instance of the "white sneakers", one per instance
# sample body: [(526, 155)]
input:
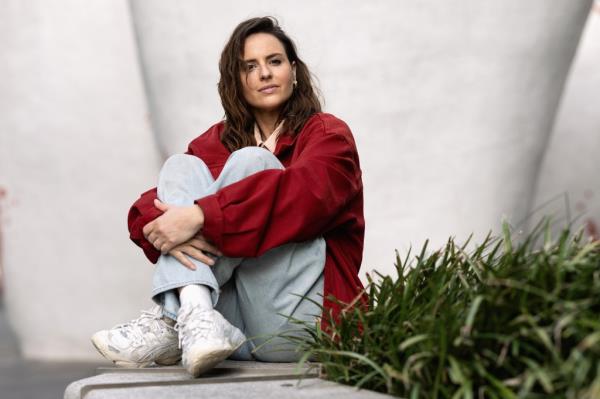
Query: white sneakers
[(140, 342), (206, 338), (204, 335)]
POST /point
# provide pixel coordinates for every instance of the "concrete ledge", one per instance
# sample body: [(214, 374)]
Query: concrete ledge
[(230, 379)]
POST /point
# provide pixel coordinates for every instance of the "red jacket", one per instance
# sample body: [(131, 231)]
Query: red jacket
[(319, 193)]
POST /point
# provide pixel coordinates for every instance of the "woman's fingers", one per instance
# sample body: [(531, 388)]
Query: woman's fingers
[(158, 243), (205, 246), (183, 259), (151, 237), (166, 246), (197, 254), (147, 230), (175, 226), (161, 205), (197, 249), (162, 244)]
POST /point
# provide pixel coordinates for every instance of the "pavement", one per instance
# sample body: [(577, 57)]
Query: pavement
[(25, 379)]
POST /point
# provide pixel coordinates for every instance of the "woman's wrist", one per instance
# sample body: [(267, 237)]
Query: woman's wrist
[(198, 217)]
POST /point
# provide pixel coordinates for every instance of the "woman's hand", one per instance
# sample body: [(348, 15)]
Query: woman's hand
[(197, 248), (175, 226)]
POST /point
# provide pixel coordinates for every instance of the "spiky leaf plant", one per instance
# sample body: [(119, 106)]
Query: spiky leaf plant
[(503, 320)]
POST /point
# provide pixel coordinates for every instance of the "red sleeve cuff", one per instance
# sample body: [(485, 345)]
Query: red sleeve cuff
[(137, 236), (213, 220), (151, 253)]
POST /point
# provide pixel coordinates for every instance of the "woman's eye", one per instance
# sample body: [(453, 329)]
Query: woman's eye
[(276, 62), (250, 67)]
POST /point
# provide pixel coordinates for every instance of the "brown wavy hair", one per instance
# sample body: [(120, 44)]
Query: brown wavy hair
[(239, 120)]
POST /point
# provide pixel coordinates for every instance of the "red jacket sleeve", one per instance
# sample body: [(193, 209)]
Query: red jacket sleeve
[(301, 202), (141, 213)]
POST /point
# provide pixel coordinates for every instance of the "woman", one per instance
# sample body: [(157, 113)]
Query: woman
[(262, 217)]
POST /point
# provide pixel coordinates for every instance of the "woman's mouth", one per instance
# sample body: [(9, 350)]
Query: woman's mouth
[(268, 89)]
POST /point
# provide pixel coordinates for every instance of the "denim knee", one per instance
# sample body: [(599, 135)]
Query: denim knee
[(255, 155), (185, 161)]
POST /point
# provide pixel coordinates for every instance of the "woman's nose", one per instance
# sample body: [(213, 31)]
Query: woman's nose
[(265, 72)]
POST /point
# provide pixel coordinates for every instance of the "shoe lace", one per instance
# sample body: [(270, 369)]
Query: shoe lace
[(192, 327), (153, 321)]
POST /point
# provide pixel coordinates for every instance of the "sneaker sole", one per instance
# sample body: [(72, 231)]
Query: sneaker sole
[(207, 360)]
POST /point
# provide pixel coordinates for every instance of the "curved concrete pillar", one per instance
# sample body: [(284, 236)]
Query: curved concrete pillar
[(179, 45), (451, 103), (76, 150), (569, 187)]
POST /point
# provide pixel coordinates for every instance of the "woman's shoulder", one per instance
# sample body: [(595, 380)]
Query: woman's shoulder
[(327, 124), (322, 123), (212, 132)]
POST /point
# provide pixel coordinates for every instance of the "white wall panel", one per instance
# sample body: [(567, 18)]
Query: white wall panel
[(76, 150)]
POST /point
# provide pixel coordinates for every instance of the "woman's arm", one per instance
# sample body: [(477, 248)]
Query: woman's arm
[(143, 211), (301, 202), (273, 207)]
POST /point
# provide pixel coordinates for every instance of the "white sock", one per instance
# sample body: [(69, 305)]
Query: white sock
[(196, 295)]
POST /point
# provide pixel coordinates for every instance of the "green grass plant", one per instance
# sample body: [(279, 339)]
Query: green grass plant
[(503, 319)]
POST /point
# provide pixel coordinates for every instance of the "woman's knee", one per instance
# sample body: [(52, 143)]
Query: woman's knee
[(254, 157), (182, 179), (183, 162)]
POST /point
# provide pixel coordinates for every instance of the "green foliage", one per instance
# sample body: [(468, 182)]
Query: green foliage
[(504, 320)]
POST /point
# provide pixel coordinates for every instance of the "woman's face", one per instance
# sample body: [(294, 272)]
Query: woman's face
[(268, 76)]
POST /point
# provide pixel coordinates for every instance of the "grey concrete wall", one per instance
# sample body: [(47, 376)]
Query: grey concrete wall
[(451, 104), (75, 150), (569, 183)]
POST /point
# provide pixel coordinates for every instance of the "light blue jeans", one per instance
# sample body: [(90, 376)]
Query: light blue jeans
[(253, 294)]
